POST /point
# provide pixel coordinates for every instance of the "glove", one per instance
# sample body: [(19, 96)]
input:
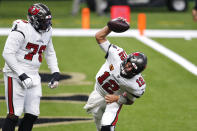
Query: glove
[(54, 81), (26, 81)]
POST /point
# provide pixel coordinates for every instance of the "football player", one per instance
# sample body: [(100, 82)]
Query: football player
[(119, 81), (23, 51)]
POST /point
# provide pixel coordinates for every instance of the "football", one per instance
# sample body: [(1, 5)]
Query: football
[(118, 25)]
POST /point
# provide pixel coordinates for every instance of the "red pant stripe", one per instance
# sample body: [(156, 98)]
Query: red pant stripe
[(116, 118), (10, 96)]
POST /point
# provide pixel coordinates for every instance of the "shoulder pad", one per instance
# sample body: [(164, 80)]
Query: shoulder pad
[(20, 26), (136, 85), (115, 48), (50, 31)]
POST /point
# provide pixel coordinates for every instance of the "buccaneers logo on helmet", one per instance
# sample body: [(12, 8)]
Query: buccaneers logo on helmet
[(40, 17)]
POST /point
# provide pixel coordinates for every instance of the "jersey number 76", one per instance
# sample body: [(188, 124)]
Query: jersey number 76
[(35, 49)]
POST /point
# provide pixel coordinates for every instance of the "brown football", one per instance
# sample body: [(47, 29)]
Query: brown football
[(118, 25)]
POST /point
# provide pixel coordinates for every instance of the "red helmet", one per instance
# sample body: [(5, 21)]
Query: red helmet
[(138, 63), (39, 16)]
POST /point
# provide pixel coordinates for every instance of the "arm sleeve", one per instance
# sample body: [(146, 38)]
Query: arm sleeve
[(14, 40), (137, 93), (51, 58), (105, 46)]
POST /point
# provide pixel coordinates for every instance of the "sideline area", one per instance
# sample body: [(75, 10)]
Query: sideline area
[(186, 34)]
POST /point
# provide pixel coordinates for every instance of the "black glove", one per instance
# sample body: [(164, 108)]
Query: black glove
[(26, 80), (55, 80)]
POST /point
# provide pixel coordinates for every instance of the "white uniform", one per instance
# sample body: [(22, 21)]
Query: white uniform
[(109, 81), (23, 54)]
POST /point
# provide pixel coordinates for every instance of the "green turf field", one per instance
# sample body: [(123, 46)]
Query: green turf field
[(169, 103)]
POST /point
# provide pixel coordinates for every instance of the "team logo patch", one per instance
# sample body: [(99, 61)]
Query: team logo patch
[(41, 41), (33, 10), (49, 121), (77, 98), (111, 67), (71, 78)]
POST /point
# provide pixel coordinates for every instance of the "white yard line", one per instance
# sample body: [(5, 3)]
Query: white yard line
[(170, 54), (129, 33), (187, 34)]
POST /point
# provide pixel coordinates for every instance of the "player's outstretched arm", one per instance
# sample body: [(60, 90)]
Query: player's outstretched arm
[(102, 34), (117, 25)]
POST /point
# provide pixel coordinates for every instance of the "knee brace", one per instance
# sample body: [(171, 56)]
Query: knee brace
[(108, 128)]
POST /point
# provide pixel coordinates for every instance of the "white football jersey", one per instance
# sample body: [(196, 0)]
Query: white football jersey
[(108, 79), (24, 49)]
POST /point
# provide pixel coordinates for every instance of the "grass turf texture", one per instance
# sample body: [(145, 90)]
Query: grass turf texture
[(169, 103)]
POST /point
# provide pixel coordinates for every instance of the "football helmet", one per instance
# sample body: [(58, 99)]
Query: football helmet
[(134, 64), (39, 16)]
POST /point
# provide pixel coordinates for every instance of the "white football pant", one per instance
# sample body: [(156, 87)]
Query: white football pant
[(103, 113), (19, 99)]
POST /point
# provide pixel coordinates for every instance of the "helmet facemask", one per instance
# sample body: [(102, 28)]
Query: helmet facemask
[(44, 24), (134, 64)]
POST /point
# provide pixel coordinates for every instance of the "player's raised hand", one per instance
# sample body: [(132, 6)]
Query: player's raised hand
[(54, 81), (26, 81)]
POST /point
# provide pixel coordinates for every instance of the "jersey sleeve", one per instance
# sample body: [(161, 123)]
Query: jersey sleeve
[(13, 43), (50, 56), (112, 51), (135, 88), (138, 93), (19, 26), (130, 96), (105, 46)]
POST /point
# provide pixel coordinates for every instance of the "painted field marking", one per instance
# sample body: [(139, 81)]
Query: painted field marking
[(130, 33), (187, 34), (170, 54)]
